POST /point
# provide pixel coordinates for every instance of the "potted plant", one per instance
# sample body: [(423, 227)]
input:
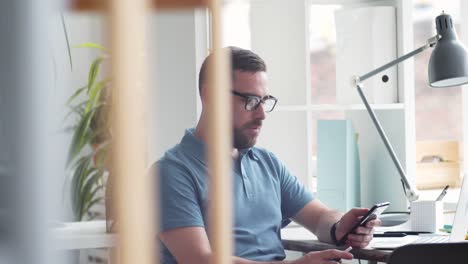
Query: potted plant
[(89, 148)]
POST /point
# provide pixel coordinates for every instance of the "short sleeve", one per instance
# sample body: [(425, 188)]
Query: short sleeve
[(294, 195), (178, 197)]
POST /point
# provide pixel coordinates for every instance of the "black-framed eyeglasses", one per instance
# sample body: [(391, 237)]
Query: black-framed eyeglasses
[(253, 101)]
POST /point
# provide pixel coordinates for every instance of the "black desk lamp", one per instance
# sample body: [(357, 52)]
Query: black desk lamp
[(448, 66)]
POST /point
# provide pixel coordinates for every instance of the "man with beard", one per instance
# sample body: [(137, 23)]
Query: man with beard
[(266, 196)]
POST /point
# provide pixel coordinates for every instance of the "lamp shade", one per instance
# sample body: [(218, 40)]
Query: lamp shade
[(448, 65)]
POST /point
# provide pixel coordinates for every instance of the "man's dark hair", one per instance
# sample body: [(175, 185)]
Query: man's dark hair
[(241, 59)]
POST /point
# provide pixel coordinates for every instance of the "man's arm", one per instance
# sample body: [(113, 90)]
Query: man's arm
[(319, 219), (191, 245), (187, 244)]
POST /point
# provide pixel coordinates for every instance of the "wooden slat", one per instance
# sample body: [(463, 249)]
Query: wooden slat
[(92, 5), (219, 144), (88, 5), (134, 199), (178, 3)]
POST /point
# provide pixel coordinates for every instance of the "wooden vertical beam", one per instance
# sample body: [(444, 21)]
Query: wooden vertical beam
[(135, 217), (162, 4), (219, 144), (88, 5)]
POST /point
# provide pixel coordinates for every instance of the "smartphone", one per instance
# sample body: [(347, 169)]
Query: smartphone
[(373, 213)]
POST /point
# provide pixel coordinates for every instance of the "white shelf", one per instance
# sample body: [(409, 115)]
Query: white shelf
[(82, 235), (338, 107)]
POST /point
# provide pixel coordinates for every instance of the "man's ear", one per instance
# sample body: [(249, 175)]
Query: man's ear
[(203, 92)]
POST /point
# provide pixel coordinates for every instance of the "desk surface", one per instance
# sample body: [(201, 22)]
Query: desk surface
[(315, 245)]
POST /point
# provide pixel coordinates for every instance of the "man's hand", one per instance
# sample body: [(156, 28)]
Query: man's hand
[(362, 235), (326, 256)]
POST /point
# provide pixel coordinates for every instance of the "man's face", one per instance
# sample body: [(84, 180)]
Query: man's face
[(247, 124)]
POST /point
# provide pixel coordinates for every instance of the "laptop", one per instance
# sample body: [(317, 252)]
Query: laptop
[(459, 228)]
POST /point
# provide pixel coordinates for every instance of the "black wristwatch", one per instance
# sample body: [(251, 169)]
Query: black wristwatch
[(333, 233)]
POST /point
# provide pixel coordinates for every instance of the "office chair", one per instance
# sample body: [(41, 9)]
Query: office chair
[(430, 253)]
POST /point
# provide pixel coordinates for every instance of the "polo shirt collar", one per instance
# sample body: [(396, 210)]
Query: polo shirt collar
[(250, 152), (253, 155), (197, 148)]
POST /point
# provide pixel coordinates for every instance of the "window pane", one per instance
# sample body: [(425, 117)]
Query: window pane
[(322, 43), (322, 46), (438, 111)]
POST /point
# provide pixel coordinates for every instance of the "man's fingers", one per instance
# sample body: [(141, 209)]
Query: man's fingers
[(359, 211), (359, 241), (356, 244), (374, 223), (360, 238), (362, 235), (364, 230), (336, 254)]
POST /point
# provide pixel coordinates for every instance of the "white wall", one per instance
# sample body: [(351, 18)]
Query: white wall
[(179, 44)]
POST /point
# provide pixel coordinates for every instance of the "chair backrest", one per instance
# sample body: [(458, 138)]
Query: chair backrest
[(430, 253)]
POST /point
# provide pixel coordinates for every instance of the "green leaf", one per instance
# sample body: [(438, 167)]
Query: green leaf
[(80, 111), (95, 95), (79, 195), (77, 109), (92, 195), (88, 202), (81, 170), (93, 72), (65, 32), (101, 154), (93, 202), (91, 182), (81, 136), (91, 45), (75, 94), (88, 191)]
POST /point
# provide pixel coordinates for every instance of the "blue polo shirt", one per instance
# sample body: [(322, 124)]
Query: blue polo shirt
[(265, 196)]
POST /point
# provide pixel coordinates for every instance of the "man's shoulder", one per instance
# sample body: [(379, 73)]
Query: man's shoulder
[(172, 157), (174, 153), (267, 158), (177, 162)]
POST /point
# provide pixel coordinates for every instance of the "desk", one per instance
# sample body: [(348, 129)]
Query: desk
[(370, 254), (297, 238)]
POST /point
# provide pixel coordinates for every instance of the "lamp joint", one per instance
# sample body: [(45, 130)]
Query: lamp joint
[(411, 195), (433, 40), (355, 81)]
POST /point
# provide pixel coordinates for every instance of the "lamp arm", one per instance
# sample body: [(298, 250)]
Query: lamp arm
[(409, 191), (430, 43), (410, 194)]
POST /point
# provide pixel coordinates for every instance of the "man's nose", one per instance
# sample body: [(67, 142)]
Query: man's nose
[(259, 112)]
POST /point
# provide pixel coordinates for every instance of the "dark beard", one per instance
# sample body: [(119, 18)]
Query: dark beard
[(241, 141)]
